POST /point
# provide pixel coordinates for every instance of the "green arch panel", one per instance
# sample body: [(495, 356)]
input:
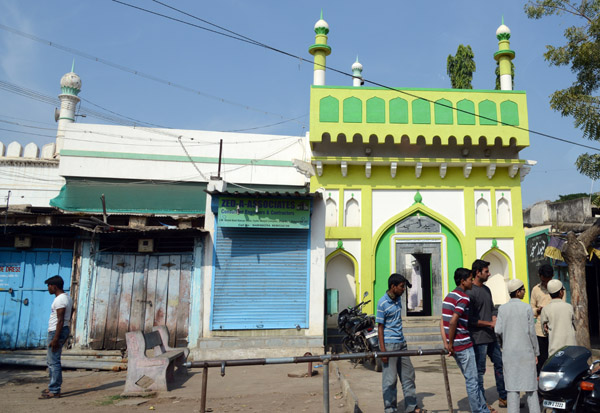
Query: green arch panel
[(398, 110), (421, 111), (443, 112), (487, 108), (509, 112), (352, 110), (383, 258), (375, 110), (329, 109), (465, 118)]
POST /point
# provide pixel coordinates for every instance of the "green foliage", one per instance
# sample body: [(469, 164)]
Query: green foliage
[(512, 73), (582, 54), (572, 196), (461, 67)]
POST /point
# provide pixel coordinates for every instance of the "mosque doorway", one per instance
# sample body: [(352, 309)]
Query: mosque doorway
[(420, 263)]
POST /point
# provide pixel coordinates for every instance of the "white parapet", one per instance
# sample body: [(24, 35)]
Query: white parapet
[(31, 151), (14, 150)]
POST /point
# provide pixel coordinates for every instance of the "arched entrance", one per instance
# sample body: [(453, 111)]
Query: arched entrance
[(500, 271), (341, 276)]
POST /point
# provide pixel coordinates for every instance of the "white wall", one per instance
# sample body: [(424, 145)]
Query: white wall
[(122, 152)]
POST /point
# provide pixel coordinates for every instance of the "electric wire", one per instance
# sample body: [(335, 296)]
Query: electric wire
[(137, 72), (239, 37)]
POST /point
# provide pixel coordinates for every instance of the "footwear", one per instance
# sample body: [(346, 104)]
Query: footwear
[(491, 409), (49, 395), (45, 391), (419, 410), (502, 403)]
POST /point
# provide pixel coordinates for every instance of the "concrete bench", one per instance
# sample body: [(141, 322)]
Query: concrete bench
[(151, 373)]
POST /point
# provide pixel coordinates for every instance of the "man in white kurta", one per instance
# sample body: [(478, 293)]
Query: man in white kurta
[(558, 320), (516, 330)]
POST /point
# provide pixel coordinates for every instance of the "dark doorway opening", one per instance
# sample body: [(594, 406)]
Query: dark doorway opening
[(418, 298)]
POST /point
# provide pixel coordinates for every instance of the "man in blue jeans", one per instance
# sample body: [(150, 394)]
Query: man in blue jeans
[(391, 338), (482, 320), (58, 332), (456, 338)]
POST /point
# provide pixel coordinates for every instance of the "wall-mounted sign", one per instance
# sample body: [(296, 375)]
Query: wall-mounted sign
[(264, 213)]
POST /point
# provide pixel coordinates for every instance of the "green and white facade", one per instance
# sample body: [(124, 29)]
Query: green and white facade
[(420, 179)]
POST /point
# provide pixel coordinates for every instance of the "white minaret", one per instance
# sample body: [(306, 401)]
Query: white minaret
[(320, 50), (70, 86), (357, 78), (504, 56)]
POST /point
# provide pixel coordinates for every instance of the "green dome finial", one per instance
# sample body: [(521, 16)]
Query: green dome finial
[(494, 243), (418, 198), (322, 16), (73, 66), (340, 244)]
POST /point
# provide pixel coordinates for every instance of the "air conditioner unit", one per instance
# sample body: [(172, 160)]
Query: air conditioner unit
[(146, 245), (22, 241)]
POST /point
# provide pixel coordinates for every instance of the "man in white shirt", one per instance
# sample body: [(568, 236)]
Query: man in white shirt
[(58, 332)]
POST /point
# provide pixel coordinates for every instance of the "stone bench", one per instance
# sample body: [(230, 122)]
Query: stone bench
[(151, 373)]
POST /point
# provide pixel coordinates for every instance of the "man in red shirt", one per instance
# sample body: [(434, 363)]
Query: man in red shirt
[(456, 338)]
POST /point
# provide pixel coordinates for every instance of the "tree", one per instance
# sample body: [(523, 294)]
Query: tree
[(512, 74), (461, 67), (582, 53)]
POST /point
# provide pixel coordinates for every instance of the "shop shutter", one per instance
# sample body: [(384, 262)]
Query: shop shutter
[(260, 279)]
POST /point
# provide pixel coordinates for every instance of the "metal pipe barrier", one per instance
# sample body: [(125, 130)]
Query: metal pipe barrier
[(324, 359)]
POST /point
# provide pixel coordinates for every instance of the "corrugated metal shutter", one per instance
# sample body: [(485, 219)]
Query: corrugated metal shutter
[(260, 279)]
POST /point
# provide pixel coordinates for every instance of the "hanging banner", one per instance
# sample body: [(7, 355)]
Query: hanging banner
[(264, 213)]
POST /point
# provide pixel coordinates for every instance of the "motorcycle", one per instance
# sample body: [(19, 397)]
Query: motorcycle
[(567, 383), (360, 332)]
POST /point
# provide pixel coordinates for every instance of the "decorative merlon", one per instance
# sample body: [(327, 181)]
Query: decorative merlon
[(319, 165), (344, 166), (418, 169), (393, 169), (467, 170), (443, 170), (512, 170), (368, 169), (490, 170)]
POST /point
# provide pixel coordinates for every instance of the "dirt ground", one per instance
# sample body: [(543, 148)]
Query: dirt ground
[(243, 389)]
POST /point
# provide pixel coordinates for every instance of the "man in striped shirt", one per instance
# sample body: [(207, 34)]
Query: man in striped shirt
[(456, 338)]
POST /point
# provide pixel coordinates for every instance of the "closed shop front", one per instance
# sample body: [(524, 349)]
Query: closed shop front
[(24, 298), (262, 262)]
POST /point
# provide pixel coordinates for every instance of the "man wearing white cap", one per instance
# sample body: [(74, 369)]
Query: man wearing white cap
[(515, 327), (558, 320)]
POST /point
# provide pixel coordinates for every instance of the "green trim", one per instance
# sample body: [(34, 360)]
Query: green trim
[(321, 30), (70, 90), (503, 36), (508, 52), (468, 91), (170, 158), (316, 47)]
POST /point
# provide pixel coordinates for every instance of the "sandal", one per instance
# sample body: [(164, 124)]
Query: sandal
[(419, 410), (49, 395), (45, 391)]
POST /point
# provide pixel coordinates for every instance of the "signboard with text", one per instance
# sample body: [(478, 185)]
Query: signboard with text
[(10, 274), (264, 213)]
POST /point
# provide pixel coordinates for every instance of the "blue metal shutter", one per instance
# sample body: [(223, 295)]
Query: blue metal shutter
[(260, 279)]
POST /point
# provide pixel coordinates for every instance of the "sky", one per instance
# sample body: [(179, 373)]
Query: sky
[(221, 84)]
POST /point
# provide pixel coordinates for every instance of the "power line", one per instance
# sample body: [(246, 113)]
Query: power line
[(245, 39), (135, 71)]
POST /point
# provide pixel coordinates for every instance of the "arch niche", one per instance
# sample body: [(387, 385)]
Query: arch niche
[(500, 274), (340, 274)]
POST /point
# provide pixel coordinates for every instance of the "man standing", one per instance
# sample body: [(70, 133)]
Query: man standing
[(558, 320), (515, 327), (391, 338), (538, 300), (58, 331), (455, 335), (482, 319)]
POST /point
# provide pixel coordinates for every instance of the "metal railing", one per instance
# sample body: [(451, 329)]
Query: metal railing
[(324, 359)]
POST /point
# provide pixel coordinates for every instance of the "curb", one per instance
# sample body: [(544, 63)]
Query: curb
[(346, 389)]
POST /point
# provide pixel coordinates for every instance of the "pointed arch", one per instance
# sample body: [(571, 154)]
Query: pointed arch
[(331, 213), (500, 274), (339, 253), (352, 213)]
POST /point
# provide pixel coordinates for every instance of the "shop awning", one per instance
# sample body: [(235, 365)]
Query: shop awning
[(132, 197)]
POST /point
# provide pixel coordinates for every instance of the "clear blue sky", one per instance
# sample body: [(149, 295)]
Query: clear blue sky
[(399, 43)]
